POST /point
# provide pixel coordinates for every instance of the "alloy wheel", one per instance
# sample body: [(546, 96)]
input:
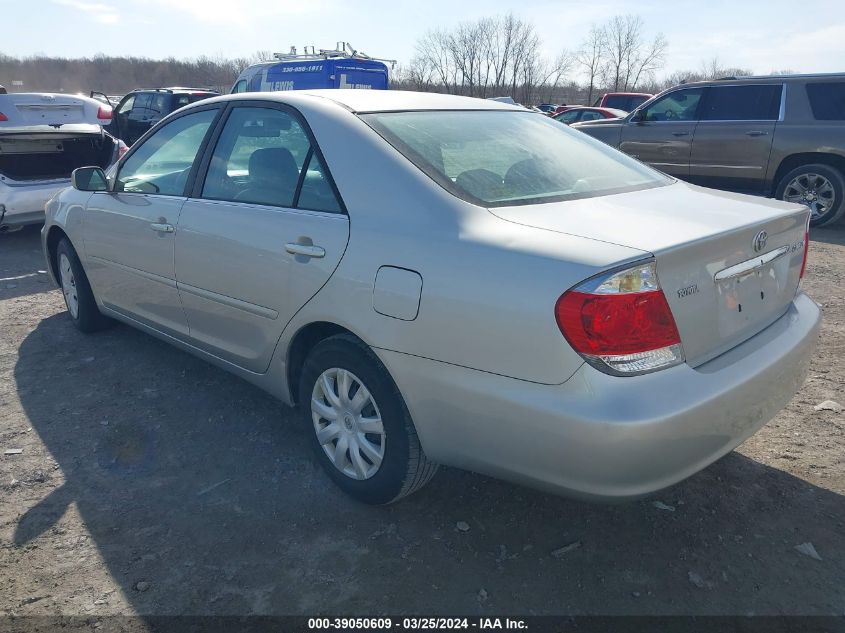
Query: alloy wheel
[(813, 190)]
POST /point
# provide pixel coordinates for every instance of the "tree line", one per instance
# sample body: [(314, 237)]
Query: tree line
[(499, 56)]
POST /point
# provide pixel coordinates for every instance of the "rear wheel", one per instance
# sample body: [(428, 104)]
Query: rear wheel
[(820, 187), (79, 299), (360, 428)]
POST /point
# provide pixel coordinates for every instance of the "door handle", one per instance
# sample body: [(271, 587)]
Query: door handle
[(162, 228), (306, 250), (756, 133), (680, 133)]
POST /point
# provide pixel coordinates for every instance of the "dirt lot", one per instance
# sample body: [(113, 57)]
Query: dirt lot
[(153, 483)]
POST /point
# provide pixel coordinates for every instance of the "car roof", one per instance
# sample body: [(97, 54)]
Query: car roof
[(762, 78), (363, 101)]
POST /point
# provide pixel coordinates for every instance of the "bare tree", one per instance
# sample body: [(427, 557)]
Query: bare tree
[(590, 57), (629, 58)]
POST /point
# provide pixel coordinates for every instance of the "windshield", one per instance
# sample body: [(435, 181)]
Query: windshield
[(496, 158)]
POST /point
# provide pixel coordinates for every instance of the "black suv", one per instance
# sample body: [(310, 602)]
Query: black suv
[(781, 136), (139, 110)]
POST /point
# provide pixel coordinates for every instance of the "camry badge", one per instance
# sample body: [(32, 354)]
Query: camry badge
[(759, 241)]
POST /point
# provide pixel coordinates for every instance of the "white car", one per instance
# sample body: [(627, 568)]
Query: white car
[(439, 279), (43, 138)]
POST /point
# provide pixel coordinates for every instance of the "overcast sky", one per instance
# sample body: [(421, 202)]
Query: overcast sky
[(801, 35)]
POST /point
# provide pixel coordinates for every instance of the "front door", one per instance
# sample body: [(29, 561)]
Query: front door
[(130, 230), (733, 138), (661, 134), (262, 233)]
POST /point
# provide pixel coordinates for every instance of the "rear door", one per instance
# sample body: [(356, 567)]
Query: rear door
[(129, 231), (261, 234), (733, 139), (662, 133)]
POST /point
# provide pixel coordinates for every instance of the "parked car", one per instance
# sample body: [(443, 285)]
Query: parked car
[(139, 110), (43, 138), (439, 279), (575, 114), (780, 136), (308, 72), (547, 108), (628, 101)]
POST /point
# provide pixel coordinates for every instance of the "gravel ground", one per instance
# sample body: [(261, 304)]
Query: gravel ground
[(152, 483)]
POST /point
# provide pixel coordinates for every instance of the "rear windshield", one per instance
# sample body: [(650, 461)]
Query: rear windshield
[(827, 100), (496, 158), (628, 103), (184, 99)]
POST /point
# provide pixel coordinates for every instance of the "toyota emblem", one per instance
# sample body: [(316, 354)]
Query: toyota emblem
[(759, 241)]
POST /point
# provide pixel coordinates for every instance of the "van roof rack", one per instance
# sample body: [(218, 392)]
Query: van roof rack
[(343, 50)]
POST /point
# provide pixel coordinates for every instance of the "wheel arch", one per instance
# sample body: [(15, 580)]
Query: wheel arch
[(301, 344), (806, 158), (54, 236)]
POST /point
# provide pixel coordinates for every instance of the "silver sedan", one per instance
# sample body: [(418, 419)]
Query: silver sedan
[(442, 280)]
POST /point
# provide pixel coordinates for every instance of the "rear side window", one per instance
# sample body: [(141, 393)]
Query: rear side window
[(827, 100), (742, 103), (264, 156)]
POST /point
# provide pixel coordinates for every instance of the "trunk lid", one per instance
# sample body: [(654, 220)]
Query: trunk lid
[(27, 111), (723, 281)]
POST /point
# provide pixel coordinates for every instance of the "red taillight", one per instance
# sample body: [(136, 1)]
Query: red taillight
[(621, 323), (104, 113), (630, 323), (3, 117), (806, 249)]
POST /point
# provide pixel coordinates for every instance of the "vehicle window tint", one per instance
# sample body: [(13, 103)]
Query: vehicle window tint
[(240, 86), (142, 102), (317, 193), (258, 158), (162, 163), (680, 105), (591, 116), (742, 103), (158, 104), (827, 100)]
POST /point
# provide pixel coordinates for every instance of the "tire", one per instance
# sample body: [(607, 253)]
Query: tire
[(79, 299), (817, 180), (394, 464)]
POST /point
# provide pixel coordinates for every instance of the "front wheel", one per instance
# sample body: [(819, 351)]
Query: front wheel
[(360, 428), (79, 298), (820, 187)]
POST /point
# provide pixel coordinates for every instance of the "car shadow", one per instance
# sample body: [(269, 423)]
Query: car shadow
[(201, 486), (23, 271), (829, 235)]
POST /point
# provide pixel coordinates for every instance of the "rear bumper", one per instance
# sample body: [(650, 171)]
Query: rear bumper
[(603, 436), (24, 202)]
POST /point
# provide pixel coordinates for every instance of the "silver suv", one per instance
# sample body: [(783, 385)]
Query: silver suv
[(780, 136)]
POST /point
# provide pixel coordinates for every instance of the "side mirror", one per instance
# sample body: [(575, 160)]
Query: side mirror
[(89, 179), (637, 117)]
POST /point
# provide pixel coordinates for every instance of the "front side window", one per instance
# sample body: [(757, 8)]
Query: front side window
[(570, 116), (240, 86), (162, 163), (680, 105), (126, 106), (497, 158), (827, 100), (742, 103), (589, 115), (265, 157)]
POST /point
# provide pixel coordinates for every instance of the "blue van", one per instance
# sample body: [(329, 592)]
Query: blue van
[(304, 74)]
